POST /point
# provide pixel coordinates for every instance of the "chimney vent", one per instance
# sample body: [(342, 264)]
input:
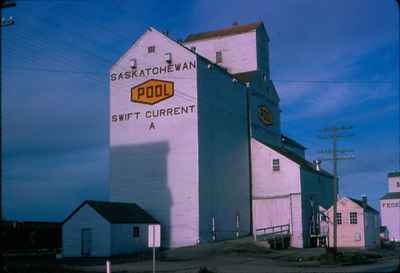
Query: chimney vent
[(364, 200), (317, 164)]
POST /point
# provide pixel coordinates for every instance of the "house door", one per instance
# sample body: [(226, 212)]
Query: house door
[(86, 241)]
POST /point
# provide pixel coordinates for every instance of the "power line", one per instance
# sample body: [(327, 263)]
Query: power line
[(52, 70), (398, 82), (99, 73), (274, 80), (333, 81), (332, 133)]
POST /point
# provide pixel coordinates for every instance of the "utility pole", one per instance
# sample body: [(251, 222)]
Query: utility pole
[(398, 80), (4, 23), (331, 133), (398, 86)]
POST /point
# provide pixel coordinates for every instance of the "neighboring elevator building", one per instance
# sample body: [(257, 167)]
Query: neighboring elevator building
[(390, 207)]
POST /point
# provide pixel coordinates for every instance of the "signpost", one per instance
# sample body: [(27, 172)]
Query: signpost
[(154, 241)]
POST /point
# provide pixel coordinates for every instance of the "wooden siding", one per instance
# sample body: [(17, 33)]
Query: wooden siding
[(86, 217)]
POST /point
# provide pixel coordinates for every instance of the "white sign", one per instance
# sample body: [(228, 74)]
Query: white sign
[(154, 235)]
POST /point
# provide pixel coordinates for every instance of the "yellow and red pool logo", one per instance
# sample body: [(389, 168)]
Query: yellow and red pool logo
[(264, 115), (152, 91)]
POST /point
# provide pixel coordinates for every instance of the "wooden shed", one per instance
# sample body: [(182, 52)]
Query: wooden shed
[(103, 229)]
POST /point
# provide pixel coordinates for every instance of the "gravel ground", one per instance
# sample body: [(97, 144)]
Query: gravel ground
[(244, 255)]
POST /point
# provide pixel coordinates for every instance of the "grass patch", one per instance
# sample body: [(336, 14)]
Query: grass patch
[(351, 258), (245, 248)]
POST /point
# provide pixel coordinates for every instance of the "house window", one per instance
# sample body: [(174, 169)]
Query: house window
[(151, 49), (398, 184), (353, 218), (136, 232), (339, 218), (218, 57), (275, 165)]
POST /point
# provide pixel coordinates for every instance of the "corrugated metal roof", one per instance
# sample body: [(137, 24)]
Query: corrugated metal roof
[(223, 32), (361, 204), (391, 195), (118, 213), (394, 174)]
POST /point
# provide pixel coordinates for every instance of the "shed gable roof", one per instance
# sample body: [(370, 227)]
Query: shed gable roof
[(118, 213), (361, 204)]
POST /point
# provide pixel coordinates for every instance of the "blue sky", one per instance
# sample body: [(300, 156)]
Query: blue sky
[(333, 63)]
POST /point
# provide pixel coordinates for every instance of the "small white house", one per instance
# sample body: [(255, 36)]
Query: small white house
[(390, 207), (103, 229), (358, 224)]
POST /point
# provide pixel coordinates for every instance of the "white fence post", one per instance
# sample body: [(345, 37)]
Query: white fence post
[(108, 266)]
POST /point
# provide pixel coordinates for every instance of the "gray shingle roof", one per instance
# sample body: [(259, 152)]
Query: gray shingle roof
[(118, 213), (391, 195), (223, 32), (361, 204)]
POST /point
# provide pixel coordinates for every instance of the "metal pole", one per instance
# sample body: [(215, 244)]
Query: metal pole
[(398, 80), (334, 191), (237, 226), (213, 228), (154, 250), (108, 266), (154, 259), (398, 86)]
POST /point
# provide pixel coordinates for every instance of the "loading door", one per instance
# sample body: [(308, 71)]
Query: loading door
[(86, 239)]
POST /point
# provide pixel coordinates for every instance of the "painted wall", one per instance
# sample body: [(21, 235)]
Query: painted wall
[(364, 234), (348, 235), (394, 184), (239, 52), (123, 242), (276, 189), (224, 171), (267, 182), (86, 217), (390, 217), (247, 52), (157, 168)]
